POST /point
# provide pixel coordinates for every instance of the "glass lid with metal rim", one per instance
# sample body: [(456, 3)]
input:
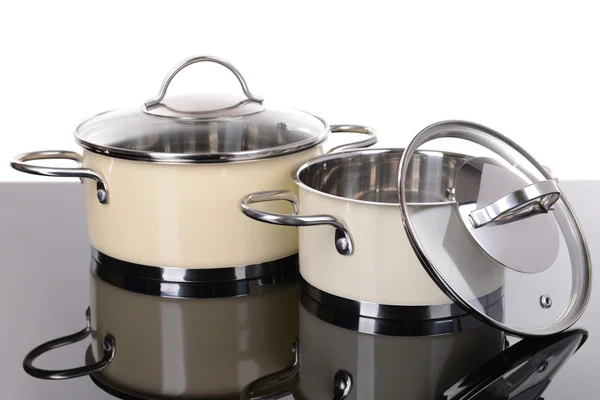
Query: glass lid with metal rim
[(504, 223), (202, 127)]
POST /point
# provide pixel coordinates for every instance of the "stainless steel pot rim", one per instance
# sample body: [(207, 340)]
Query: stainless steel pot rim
[(394, 327), (196, 275), (203, 158), (360, 152), (286, 272), (395, 312)]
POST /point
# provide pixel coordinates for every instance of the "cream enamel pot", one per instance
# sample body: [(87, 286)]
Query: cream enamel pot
[(163, 182), (423, 226), (358, 248)]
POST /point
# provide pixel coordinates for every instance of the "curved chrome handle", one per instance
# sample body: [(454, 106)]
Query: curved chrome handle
[(369, 141), (20, 164), (533, 199), (276, 378), (342, 385), (344, 243), (165, 85), (110, 348)]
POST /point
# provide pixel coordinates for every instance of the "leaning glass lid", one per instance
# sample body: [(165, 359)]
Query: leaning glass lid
[(503, 226), (199, 128)]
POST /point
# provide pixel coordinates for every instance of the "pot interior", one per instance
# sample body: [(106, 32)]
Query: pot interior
[(372, 175)]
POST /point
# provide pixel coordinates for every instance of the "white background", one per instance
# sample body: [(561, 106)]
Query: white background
[(530, 70)]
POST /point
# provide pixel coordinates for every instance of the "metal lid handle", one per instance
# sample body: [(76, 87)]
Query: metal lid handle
[(165, 85), (531, 200)]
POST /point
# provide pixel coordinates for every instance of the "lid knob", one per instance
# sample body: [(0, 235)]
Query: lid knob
[(531, 200), (165, 85)]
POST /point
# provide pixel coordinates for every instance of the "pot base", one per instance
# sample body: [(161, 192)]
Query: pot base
[(124, 394), (114, 392)]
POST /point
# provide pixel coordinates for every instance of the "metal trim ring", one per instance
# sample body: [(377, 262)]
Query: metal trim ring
[(285, 272), (404, 323)]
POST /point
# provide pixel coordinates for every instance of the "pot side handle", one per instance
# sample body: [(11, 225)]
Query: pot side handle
[(369, 141), (344, 243), (110, 348), (276, 385), (280, 383), (20, 163)]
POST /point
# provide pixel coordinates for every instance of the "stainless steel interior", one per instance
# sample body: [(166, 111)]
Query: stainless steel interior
[(372, 175)]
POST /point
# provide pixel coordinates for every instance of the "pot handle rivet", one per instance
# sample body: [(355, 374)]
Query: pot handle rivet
[(341, 245), (342, 385), (343, 241), (102, 196)]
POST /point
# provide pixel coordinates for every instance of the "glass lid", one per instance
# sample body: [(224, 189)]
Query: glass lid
[(503, 224), (199, 128)]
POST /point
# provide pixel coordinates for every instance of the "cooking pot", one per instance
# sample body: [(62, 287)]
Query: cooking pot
[(183, 335), (429, 227), (401, 239), (163, 181), (344, 353), (360, 192), (371, 319)]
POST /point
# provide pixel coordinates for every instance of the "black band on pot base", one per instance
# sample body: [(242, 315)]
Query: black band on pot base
[(384, 311), (391, 320), (194, 283), (191, 275)]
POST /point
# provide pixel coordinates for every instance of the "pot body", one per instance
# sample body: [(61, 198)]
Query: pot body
[(192, 348), (359, 189), (387, 367), (384, 268), (187, 215)]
